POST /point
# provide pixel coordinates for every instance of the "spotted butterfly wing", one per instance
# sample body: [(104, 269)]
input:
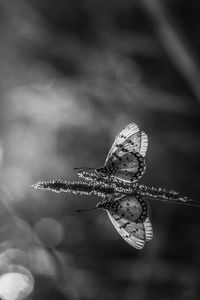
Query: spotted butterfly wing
[(135, 234), (125, 159), (129, 167), (130, 139), (128, 214), (130, 207)]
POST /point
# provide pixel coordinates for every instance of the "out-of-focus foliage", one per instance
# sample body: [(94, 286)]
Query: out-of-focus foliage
[(72, 74)]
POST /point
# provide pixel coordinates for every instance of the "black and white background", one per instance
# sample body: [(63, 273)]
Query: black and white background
[(72, 74)]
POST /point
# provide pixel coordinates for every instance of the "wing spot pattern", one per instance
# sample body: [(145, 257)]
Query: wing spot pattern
[(130, 146), (115, 155), (124, 225), (143, 214), (134, 232)]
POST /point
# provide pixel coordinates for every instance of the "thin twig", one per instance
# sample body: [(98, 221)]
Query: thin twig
[(108, 188)]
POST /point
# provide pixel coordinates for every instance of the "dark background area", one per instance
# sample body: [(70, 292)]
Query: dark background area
[(72, 74)]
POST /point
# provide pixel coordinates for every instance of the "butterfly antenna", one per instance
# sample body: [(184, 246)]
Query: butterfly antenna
[(84, 210), (84, 169)]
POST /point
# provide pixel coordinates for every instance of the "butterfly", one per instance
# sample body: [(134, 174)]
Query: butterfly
[(125, 160), (129, 215)]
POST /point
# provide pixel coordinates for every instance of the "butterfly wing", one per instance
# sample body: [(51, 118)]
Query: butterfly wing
[(129, 139), (132, 208), (125, 159), (130, 167), (148, 230), (135, 234)]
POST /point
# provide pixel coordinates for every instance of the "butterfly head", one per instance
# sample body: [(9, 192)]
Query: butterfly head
[(108, 204)]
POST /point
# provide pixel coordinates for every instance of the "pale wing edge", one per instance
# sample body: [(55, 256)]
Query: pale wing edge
[(130, 239), (144, 144), (148, 230), (132, 127)]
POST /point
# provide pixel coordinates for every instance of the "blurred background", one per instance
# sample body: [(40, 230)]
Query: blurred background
[(72, 74)]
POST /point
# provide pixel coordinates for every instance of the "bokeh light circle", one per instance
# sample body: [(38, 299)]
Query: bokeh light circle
[(16, 282), (49, 232)]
